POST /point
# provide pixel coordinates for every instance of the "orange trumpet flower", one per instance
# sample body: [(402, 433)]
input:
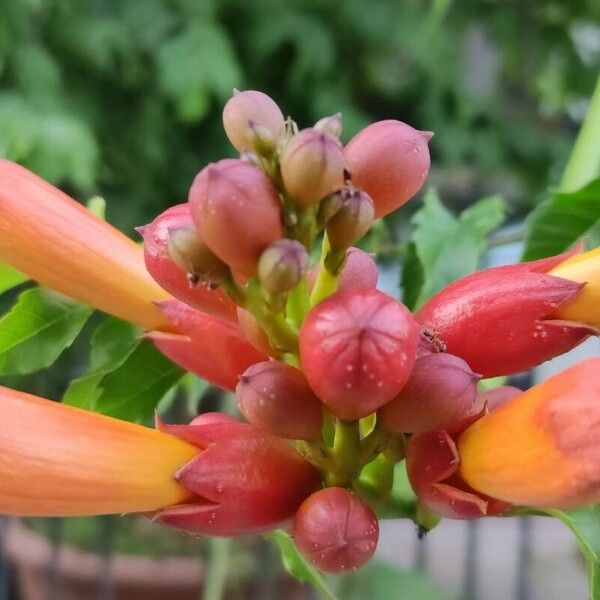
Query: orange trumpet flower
[(542, 448), (54, 240)]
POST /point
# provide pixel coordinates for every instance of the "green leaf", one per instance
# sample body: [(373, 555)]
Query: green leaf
[(297, 566), (128, 376), (412, 277), (449, 247), (381, 580), (9, 278), (585, 524), (37, 329), (561, 220)]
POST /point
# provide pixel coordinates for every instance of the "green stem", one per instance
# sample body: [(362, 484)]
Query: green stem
[(584, 162), (218, 567), (326, 282), (345, 453), (298, 303)]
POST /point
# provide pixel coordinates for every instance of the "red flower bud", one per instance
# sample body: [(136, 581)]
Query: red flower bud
[(221, 361), (357, 351), (389, 160), (237, 212), (441, 390), (276, 398), (432, 464), (282, 266), (169, 275), (498, 319), (254, 333), (312, 166), (353, 219), (336, 530), (358, 273), (245, 112), (244, 480)]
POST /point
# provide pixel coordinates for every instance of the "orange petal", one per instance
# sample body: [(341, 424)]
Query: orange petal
[(56, 460), (583, 268), (59, 243), (542, 448)]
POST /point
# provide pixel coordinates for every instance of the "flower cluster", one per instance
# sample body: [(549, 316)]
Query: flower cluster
[(338, 381)]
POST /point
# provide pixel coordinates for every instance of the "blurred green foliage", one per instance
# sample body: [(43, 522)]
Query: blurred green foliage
[(123, 97)]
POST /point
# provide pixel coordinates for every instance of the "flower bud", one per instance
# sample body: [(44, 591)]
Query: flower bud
[(237, 211), (335, 530), (312, 166), (389, 160), (358, 273), (331, 125), (282, 266), (254, 333), (432, 462), (213, 417), (493, 399), (169, 275), (252, 116), (276, 398), (499, 320), (353, 219), (441, 390), (195, 258), (357, 350)]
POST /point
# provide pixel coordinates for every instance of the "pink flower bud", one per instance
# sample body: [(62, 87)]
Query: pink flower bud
[(358, 273), (432, 464), (213, 417), (353, 219), (247, 111), (244, 480), (254, 333), (499, 319), (276, 398), (282, 266), (312, 166), (441, 390), (336, 530), (493, 399), (237, 212), (331, 125), (389, 160), (169, 275), (357, 350)]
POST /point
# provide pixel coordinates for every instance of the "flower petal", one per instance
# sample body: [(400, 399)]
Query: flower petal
[(56, 460), (56, 241)]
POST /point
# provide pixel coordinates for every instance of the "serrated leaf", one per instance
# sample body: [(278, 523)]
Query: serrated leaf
[(297, 566), (128, 376), (450, 247), (585, 525), (10, 278), (561, 220), (37, 329)]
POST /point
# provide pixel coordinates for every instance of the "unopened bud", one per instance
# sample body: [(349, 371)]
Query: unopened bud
[(263, 142), (440, 391), (331, 125), (354, 218), (189, 253), (251, 113), (282, 266), (312, 166), (336, 530), (276, 398)]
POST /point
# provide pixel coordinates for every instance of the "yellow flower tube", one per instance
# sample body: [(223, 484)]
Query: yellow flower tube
[(583, 268), (56, 460), (54, 240), (542, 448)]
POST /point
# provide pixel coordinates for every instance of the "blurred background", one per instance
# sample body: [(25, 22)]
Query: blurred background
[(123, 99)]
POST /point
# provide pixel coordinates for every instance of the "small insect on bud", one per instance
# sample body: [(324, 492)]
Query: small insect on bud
[(331, 125), (390, 161), (251, 116), (237, 212), (312, 166), (276, 398), (336, 530), (440, 391), (282, 266), (189, 253), (353, 219)]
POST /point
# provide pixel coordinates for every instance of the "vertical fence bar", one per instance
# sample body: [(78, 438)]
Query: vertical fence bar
[(4, 568), (106, 538), (53, 577), (470, 575)]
